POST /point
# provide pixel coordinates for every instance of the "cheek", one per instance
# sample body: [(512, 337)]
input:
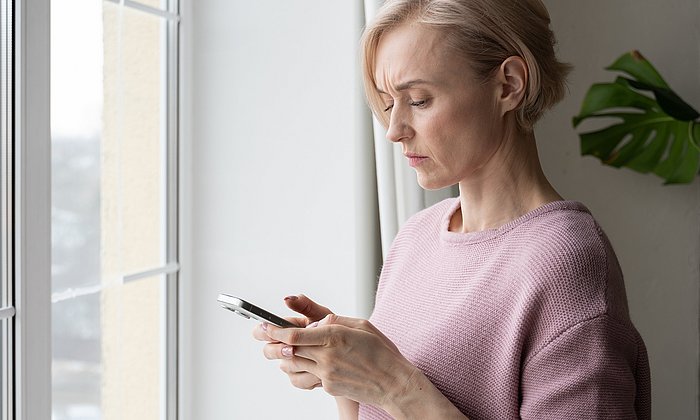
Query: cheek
[(462, 136), (441, 136), (450, 130)]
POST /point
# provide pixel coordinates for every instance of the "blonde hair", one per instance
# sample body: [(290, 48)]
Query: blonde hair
[(486, 32)]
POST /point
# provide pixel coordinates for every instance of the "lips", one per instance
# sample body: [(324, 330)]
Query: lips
[(415, 159)]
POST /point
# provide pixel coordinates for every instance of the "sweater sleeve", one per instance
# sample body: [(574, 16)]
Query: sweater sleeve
[(588, 372)]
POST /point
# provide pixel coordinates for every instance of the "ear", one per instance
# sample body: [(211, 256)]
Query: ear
[(512, 77)]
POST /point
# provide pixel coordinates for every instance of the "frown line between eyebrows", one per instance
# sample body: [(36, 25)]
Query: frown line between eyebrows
[(407, 85)]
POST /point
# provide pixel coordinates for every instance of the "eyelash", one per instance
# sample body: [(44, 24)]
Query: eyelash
[(418, 104)]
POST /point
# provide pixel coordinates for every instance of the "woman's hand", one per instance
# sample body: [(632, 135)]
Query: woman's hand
[(350, 358), (354, 361), (273, 349)]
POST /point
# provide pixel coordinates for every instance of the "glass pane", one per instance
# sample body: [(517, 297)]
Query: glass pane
[(76, 358), (109, 366), (132, 344), (76, 134), (108, 210), (133, 146)]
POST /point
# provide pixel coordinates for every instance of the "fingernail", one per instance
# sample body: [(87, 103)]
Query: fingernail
[(264, 326), (292, 297), (287, 351), (312, 325)]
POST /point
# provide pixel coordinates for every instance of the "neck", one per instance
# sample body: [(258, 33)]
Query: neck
[(511, 184)]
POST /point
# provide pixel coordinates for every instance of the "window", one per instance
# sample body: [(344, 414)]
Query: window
[(114, 208), (7, 310)]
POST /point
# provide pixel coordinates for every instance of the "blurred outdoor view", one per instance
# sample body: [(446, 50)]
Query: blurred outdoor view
[(109, 215), (76, 125)]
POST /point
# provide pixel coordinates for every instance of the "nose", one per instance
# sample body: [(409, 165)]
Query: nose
[(399, 129)]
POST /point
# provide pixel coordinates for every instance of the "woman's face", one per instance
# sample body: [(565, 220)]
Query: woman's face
[(448, 122)]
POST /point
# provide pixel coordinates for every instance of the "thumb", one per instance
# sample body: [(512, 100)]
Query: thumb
[(307, 307)]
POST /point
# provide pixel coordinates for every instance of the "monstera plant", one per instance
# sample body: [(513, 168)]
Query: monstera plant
[(654, 130)]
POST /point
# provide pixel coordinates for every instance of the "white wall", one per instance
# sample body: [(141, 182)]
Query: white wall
[(655, 229), (274, 135)]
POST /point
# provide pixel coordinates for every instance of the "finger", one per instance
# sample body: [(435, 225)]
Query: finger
[(357, 323), (308, 352), (302, 336), (299, 321), (260, 333), (273, 351), (298, 365), (260, 330), (306, 307), (304, 380)]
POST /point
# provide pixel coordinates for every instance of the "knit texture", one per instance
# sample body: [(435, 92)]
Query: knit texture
[(528, 321)]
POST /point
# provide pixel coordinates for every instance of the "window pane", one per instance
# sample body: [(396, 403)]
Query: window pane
[(108, 142), (77, 358), (108, 210), (109, 366), (76, 135), (132, 344), (133, 147)]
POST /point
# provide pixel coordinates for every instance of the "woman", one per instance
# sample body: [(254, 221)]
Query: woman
[(507, 302)]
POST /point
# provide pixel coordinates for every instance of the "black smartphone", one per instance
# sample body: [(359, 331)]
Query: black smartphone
[(248, 310)]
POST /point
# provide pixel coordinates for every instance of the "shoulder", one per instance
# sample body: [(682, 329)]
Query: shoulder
[(563, 240), (562, 222), (568, 272)]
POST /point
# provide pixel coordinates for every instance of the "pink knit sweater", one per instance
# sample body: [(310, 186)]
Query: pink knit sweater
[(528, 321)]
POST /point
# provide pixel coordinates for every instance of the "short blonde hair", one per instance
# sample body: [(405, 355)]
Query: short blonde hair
[(486, 32)]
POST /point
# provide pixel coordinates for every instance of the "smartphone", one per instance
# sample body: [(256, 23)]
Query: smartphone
[(248, 310)]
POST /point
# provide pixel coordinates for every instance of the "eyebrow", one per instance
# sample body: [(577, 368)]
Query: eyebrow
[(409, 84)]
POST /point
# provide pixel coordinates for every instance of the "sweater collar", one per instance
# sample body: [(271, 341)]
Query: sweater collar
[(484, 235)]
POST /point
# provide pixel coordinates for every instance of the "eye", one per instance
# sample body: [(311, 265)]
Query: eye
[(418, 103)]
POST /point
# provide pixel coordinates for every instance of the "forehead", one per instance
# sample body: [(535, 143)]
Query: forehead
[(412, 52)]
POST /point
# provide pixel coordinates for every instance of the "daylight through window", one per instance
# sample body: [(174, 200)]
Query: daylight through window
[(114, 220)]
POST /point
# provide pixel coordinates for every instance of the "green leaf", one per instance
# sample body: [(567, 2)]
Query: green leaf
[(637, 142), (683, 161), (650, 155), (611, 95), (627, 152), (634, 64), (659, 134), (671, 103)]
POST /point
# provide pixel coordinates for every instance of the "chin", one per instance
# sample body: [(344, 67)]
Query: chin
[(432, 183)]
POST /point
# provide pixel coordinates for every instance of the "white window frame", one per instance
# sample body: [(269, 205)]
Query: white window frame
[(32, 258), (185, 314), (31, 314), (7, 309)]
